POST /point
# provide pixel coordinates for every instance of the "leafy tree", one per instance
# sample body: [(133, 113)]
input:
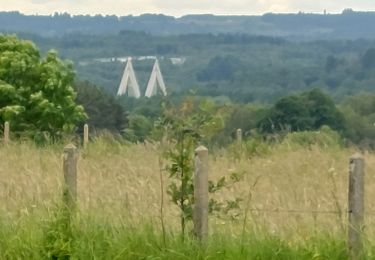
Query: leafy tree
[(184, 127), (307, 111), (139, 128), (289, 112), (359, 113), (36, 93), (142, 113), (322, 110), (102, 109), (245, 117)]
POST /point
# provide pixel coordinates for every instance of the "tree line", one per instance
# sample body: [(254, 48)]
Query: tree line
[(301, 26)]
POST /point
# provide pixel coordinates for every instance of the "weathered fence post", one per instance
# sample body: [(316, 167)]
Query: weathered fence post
[(6, 132), (238, 146), (239, 136), (200, 213), (85, 135), (70, 176), (356, 206)]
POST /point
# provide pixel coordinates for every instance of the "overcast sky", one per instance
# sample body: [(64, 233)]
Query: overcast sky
[(181, 7)]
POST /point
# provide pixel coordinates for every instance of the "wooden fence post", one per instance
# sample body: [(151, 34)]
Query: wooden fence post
[(200, 213), (356, 206), (70, 176), (6, 132), (239, 136), (85, 135)]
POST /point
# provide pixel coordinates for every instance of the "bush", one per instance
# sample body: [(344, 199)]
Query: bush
[(325, 137)]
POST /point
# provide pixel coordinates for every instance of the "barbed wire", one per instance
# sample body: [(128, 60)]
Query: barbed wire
[(260, 210), (298, 211), (306, 211), (276, 210)]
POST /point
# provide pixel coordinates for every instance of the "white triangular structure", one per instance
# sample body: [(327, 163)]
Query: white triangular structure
[(129, 82), (155, 79)]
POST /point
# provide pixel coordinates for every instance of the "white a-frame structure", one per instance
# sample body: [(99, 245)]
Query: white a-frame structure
[(155, 79), (129, 82)]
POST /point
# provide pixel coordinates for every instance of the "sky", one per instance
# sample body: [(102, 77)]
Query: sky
[(182, 7)]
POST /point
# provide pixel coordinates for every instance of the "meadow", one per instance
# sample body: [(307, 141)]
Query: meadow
[(294, 204)]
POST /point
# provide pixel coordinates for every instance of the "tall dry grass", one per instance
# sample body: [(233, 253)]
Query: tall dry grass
[(291, 191)]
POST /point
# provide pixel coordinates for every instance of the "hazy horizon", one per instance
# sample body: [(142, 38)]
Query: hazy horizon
[(183, 7)]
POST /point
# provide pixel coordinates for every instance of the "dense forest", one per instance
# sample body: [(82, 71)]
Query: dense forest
[(240, 67)]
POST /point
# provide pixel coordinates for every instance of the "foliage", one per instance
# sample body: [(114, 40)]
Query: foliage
[(307, 111), (368, 59), (99, 239), (324, 137), (220, 68), (103, 111), (256, 146), (331, 63), (270, 68), (141, 115), (58, 241), (185, 127), (139, 128), (37, 96), (243, 67), (360, 118)]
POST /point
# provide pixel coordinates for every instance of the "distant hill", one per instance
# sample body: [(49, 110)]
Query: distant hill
[(242, 67), (302, 26), (244, 58)]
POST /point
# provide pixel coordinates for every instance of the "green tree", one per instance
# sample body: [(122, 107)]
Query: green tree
[(36, 94), (139, 128), (307, 111), (323, 111), (359, 113), (103, 110), (244, 117), (183, 128), (289, 112)]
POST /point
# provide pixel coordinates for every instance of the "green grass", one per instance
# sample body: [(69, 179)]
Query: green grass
[(90, 238)]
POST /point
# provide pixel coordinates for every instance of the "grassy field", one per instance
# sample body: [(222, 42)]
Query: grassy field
[(294, 204)]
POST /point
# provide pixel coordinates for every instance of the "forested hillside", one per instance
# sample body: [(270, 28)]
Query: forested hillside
[(243, 58), (242, 67), (348, 24)]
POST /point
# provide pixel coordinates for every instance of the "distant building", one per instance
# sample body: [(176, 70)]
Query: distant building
[(178, 61), (105, 60), (122, 59), (146, 58)]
